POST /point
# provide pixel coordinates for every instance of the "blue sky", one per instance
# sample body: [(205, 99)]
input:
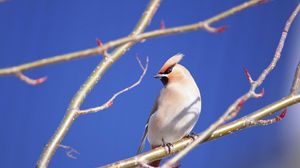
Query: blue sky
[(36, 29)]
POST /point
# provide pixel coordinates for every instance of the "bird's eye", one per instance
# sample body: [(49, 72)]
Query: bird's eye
[(169, 70)]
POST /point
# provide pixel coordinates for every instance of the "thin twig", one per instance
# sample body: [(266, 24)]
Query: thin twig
[(87, 86), (280, 45), (211, 29), (29, 80), (111, 100), (233, 109), (132, 38), (162, 24), (264, 122), (69, 151)]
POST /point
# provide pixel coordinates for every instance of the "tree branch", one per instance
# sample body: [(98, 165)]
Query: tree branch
[(294, 89), (135, 37), (96, 75), (232, 127), (234, 109)]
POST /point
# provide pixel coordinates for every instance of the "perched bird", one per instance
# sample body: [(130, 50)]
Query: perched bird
[(177, 108)]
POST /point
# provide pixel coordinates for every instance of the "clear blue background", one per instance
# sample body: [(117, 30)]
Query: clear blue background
[(36, 29)]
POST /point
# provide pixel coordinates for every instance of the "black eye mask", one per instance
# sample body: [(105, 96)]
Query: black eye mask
[(169, 70), (165, 80)]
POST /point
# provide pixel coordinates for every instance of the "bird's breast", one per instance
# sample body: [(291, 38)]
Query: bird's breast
[(176, 115)]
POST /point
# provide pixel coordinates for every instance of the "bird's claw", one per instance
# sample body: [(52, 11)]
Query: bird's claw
[(167, 145), (192, 135)]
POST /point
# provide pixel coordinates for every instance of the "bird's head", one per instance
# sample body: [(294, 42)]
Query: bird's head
[(171, 71)]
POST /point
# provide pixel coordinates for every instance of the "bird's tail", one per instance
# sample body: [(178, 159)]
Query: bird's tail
[(155, 163)]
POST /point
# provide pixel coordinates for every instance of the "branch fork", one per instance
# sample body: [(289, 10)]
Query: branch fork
[(109, 103), (93, 78)]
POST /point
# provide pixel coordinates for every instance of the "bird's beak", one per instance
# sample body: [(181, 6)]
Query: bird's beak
[(160, 76)]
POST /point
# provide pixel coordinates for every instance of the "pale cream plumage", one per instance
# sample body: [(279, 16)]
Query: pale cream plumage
[(177, 108)]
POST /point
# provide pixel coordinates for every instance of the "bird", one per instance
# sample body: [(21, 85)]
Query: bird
[(177, 108)]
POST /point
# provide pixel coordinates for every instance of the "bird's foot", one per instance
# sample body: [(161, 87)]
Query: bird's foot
[(168, 146), (191, 135)]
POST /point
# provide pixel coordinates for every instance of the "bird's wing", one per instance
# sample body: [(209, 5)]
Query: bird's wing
[(143, 140)]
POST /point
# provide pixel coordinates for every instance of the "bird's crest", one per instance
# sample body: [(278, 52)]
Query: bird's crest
[(171, 62)]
